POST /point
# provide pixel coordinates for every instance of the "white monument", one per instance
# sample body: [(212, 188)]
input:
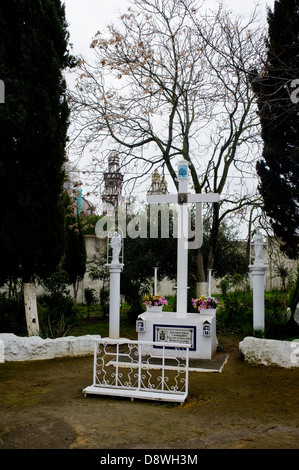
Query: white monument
[(197, 329), (115, 266), (258, 270)]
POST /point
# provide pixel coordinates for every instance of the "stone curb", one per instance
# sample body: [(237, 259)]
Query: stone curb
[(33, 348), (270, 352)]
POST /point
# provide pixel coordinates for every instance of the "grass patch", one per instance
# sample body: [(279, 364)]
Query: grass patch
[(93, 322)]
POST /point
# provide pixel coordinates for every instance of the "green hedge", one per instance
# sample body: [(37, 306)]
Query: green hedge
[(235, 314)]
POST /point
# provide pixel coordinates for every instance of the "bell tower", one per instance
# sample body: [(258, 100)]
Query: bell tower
[(158, 186), (113, 181)]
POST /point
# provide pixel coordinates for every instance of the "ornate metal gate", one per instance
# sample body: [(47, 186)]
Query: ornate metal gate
[(131, 369)]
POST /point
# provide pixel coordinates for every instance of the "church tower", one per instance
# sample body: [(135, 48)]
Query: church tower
[(159, 185), (113, 181)]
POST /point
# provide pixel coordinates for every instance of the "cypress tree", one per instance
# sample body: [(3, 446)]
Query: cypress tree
[(74, 260), (278, 169), (33, 130)]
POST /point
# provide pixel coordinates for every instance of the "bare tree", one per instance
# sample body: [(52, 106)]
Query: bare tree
[(172, 81)]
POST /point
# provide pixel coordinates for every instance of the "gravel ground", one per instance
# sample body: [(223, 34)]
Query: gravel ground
[(244, 407)]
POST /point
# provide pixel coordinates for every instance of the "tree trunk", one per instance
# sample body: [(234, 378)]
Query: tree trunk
[(76, 288), (201, 275), (213, 236), (31, 308)]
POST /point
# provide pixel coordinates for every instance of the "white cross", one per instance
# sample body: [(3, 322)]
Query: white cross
[(182, 198)]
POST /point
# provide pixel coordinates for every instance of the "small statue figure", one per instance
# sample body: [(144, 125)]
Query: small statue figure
[(116, 247), (258, 247)]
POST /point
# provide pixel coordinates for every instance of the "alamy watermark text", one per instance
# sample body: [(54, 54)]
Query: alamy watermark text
[(2, 92), (295, 93), (160, 221)]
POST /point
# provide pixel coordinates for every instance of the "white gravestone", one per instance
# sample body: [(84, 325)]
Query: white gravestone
[(199, 328)]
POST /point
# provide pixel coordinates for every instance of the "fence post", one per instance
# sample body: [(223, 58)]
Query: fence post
[(139, 365), (95, 362)]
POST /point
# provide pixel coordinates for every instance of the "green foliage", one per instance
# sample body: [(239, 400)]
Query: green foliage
[(293, 294), (98, 271), (33, 129), (56, 308), (104, 300), (278, 169), (99, 325), (236, 314), (230, 281), (90, 298), (74, 259), (57, 282), (229, 257), (275, 315), (96, 267), (12, 314), (57, 314)]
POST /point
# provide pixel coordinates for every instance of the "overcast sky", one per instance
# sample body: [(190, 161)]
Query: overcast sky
[(86, 17)]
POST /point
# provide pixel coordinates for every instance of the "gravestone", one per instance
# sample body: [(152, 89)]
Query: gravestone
[(196, 329)]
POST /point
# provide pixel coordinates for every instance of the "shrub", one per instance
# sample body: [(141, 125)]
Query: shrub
[(90, 299), (236, 312), (57, 313), (12, 314)]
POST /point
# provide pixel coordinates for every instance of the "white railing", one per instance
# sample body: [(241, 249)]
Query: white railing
[(135, 369)]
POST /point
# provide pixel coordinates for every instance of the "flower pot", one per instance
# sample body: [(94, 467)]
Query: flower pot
[(208, 311), (154, 308)]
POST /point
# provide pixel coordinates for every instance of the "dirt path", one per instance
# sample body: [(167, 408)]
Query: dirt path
[(247, 407)]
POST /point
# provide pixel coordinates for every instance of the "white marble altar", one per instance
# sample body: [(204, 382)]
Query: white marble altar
[(196, 329)]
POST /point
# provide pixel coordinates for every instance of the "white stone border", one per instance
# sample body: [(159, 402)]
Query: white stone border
[(16, 348), (270, 352)]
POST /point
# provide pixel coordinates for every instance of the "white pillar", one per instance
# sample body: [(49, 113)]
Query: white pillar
[(258, 270), (115, 268), (156, 281), (114, 317), (258, 285)]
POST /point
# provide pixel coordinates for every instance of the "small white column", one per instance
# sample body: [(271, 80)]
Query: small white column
[(115, 268), (114, 317), (258, 270), (209, 282), (258, 285), (156, 280)]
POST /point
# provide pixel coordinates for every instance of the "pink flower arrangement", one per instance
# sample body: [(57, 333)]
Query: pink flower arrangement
[(205, 303), (154, 300)]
